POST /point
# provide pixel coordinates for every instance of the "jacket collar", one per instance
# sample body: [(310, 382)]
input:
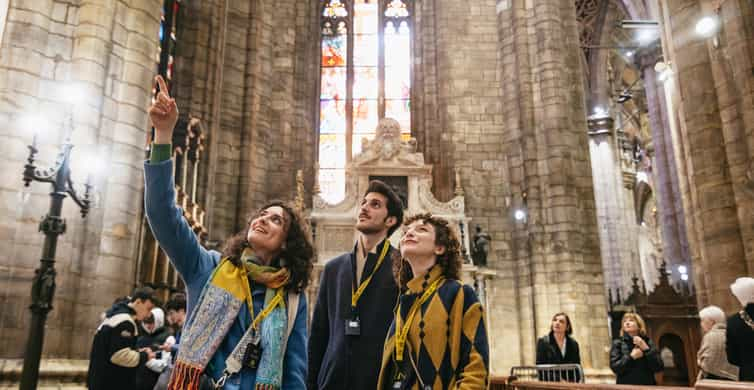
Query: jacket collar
[(418, 285), (376, 249)]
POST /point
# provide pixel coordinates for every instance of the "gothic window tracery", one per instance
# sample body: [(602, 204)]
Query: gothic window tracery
[(587, 12), (365, 75)]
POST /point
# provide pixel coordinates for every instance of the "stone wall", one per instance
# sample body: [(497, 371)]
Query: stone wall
[(248, 74), (106, 49)]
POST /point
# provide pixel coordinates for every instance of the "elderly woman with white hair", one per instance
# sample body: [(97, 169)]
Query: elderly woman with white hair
[(713, 364), (739, 337)]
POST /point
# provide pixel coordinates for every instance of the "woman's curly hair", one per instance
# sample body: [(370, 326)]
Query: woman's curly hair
[(298, 250), (446, 236)]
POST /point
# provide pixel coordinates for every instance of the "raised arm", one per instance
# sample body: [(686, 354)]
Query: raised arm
[(165, 218)]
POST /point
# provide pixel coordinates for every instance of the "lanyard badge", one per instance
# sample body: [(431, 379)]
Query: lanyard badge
[(353, 324), (353, 327), (253, 352)]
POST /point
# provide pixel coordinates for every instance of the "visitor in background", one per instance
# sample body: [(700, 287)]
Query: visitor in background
[(155, 334), (633, 357), (558, 347), (739, 340), (713, 363), (114, 359)]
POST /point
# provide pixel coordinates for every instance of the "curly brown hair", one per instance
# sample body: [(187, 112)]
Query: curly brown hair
[(298, 250), (446, 236)]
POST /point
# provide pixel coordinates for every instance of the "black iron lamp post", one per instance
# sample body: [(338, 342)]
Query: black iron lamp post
[(53, 225)]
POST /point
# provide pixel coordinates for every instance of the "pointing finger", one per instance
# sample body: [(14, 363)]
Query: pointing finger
[(163, 85)]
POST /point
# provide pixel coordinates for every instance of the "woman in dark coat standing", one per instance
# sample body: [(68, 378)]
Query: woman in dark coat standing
[(634, 358), (558, 347)]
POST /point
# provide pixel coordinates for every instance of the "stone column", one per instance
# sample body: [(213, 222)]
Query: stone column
[(617, 227), (556, 252), (732, 60), (669, 204), (107, 50), (711, 156)]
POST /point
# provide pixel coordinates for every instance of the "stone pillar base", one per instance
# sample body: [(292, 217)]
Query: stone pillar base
[(68, 374)]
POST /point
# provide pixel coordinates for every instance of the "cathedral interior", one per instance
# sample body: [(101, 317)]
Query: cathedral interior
[(597, 155)]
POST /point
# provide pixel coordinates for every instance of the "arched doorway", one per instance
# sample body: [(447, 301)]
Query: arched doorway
[(673, 355)]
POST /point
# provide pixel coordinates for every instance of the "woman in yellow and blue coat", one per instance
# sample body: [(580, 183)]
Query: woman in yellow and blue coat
[(438, 339)]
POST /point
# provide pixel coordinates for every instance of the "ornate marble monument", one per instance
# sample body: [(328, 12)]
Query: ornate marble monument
[(396, 162)]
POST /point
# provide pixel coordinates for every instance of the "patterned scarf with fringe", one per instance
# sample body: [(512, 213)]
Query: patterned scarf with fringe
[(218, 307)]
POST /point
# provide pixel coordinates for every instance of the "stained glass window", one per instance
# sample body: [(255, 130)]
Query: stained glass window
[(365, 76)]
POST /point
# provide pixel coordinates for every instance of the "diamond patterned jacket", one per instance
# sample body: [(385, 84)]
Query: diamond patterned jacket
[(447, 344)]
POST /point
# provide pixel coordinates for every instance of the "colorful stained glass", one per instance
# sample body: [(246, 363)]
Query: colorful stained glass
[(365, 20), (332, 117), (358, 139), (396, 9), (334, 50), (332, 151), (332, 184), (400, 110), (330, 27), (335, 9), (364, 28), (333, 84), (365, 83), (397, 82), (365, 116), (365, 49)]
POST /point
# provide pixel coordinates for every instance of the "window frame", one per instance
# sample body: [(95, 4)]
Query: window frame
[(349, 6)]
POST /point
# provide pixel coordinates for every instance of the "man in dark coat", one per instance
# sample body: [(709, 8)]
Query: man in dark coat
[(739, 335), (357, 294), (114, 360)]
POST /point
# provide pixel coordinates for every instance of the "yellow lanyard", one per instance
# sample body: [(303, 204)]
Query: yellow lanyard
[(276, 300), (357, 294), (400, 338)]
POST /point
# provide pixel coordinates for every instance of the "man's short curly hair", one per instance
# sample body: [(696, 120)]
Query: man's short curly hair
[(445, 235)]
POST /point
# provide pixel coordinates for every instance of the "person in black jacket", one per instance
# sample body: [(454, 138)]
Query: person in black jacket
[(558, 347), (739, 335), (634, 358), (114, 359), (357, 294)]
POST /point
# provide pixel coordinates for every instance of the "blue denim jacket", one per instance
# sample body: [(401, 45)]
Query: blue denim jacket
[(195, 264)]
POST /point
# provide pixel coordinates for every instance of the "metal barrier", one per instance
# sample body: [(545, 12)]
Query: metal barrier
[(548, 373)]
